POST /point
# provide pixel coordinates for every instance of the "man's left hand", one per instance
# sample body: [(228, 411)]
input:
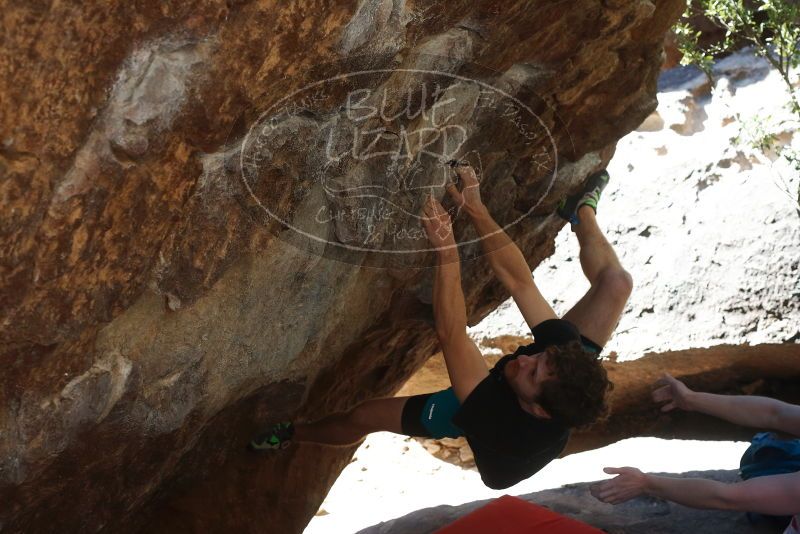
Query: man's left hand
[(438, 225)]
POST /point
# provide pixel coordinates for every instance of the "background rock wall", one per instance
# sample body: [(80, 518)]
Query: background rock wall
[(153, 316), (706, 221)]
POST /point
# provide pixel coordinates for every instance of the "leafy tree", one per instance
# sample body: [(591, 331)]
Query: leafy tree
[(772, 27)]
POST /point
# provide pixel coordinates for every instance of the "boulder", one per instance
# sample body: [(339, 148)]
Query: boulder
[(640, 515), (193, 245)]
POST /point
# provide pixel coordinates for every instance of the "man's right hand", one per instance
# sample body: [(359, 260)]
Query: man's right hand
[(469, 197), (629, 483), (673, 393)]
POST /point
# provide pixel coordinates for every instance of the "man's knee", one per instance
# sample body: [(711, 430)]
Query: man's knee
[(616, 282), (357, 416), (363, 417)]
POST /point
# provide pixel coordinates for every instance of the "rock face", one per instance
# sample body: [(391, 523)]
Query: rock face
[(191, 235), (640, 515)]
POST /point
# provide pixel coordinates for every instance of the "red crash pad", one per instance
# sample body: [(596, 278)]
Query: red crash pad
[(511, 515)]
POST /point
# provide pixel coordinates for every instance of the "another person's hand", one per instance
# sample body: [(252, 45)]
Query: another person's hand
[(629, 483), (438, 225), (673, 393), (469, 197)]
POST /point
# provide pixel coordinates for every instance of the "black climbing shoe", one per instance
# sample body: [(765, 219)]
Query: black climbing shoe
[(590, 195), (279, 436)]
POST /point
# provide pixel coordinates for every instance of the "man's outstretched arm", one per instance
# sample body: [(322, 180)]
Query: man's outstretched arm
[(745, 410), (774, 494), (505, 258), (465, 364)]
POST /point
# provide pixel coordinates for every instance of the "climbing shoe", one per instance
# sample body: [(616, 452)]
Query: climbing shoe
[(279, 436), (590, 195)]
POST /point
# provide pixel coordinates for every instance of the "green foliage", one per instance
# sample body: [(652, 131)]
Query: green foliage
[(757, 132), (693, 53), (764, 133)]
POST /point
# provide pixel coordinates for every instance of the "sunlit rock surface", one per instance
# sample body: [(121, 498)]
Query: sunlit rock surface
[(161, 296), (707, 223)]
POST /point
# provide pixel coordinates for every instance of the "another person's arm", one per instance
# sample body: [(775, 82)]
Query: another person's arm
[(505, 258), (465, 364), (774, 495), (745, 410)]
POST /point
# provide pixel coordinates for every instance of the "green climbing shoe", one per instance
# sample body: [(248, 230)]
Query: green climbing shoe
[(279, 436), (590, 195)]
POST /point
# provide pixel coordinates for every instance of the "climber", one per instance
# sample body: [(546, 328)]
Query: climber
[(775, 490), (516, 416)]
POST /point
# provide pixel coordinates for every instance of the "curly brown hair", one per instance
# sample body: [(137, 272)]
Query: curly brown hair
[(577, 396)]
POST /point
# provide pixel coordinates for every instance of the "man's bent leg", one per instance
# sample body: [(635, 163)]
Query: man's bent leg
[(596, 314), (350, 427)]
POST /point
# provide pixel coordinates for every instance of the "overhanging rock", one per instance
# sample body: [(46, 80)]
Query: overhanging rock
[(181, 214)]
